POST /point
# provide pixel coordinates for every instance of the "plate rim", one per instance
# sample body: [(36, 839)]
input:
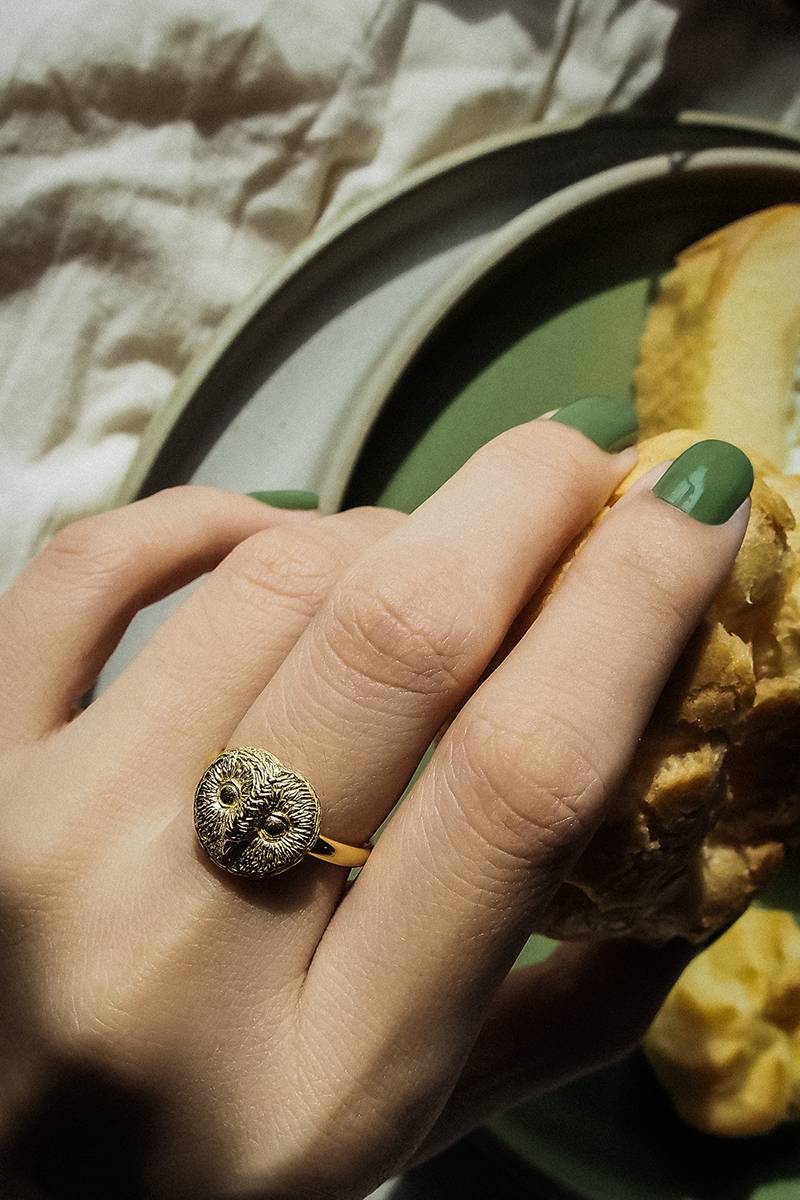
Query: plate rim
[(352, 429), (161, 423)]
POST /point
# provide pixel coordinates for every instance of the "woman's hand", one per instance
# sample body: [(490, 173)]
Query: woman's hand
[(201, 1035)]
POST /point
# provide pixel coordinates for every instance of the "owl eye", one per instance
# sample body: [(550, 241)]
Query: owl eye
[(228, 794), (276, 824)]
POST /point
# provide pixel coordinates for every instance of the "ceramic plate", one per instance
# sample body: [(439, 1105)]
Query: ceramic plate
[(270, 402)]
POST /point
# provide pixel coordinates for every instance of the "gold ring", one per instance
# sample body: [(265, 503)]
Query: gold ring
[(253, 816)]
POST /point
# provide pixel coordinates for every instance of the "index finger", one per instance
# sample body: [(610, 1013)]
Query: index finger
[(523, 776)]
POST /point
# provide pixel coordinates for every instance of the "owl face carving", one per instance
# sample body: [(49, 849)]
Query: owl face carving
[(252, 816)]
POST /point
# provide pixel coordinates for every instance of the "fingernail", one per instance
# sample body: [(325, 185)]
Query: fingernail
[(708, 481), (287, 499), (610, 424)]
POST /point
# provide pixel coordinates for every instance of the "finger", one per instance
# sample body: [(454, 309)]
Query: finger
[(402, 635), (212, 656), (523, 775), (581, 1009), (64, 614), (408, 630)]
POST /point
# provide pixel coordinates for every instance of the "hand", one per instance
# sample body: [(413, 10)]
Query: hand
[(298, 1037)]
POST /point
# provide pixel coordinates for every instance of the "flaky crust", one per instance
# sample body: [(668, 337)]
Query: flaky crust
[(713, 793), (726, 1043), (718, 352)]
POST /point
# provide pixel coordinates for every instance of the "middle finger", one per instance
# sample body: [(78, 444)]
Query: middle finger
[(407, 631)]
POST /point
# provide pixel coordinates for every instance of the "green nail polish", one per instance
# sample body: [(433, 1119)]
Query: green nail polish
[(287, 499), (610, 424), (708, 481)]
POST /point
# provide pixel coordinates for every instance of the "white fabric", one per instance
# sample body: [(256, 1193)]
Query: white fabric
[(160, 156)]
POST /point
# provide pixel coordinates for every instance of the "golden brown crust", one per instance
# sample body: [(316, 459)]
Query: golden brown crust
[(726, 1044), (720, 345), (713, 792)]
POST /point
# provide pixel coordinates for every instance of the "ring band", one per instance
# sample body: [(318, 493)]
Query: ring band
[(253, 816)]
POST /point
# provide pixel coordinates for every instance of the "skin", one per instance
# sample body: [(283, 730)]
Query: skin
[(299, 1037)]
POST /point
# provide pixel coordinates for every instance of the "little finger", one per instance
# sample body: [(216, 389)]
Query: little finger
[(64, 614)]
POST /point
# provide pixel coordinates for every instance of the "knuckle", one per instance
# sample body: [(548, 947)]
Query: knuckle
[(89, 550), (404, 628), (532, 780), (295, 566)]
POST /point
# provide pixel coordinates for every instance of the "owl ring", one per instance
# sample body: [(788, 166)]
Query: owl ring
[(255, 817)]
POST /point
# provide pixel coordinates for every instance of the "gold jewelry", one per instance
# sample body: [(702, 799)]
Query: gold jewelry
[(253, 816)]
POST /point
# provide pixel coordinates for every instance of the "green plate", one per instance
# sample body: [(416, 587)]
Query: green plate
[(614, 1135), (556, 314)]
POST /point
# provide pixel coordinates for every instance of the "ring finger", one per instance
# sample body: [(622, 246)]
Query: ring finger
[(406, 632), (213, 655)]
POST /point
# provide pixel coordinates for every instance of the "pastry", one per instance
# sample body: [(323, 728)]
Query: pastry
[(726, 1043), (721, 347), (712, 795)]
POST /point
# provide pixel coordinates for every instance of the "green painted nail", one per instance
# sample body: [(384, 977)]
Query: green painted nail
[(610, 424), (287, 499), (708, 481)]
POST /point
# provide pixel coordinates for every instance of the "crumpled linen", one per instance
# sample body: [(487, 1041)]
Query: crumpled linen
[(159, 157)]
